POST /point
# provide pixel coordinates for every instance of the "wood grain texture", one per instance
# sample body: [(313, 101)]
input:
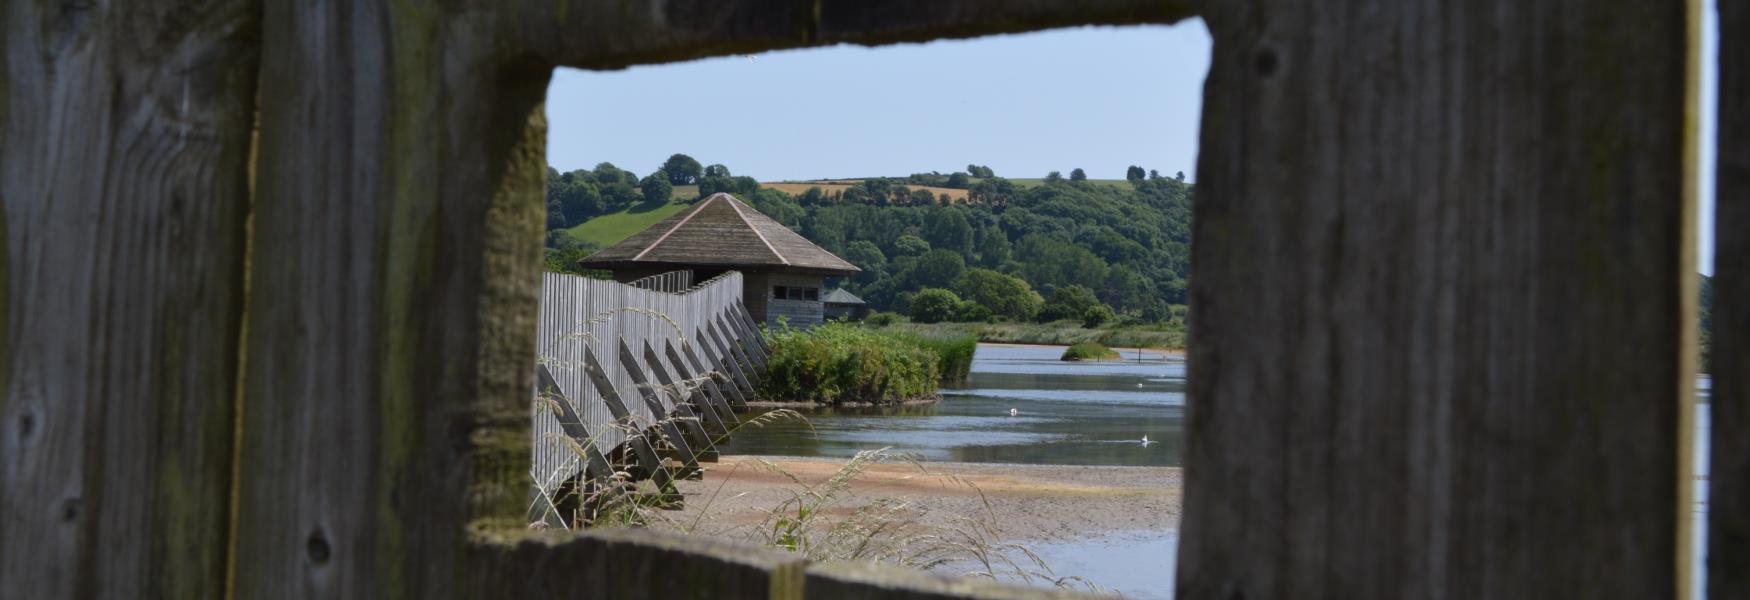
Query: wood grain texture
[(613, 35), (1438, 312), (869, 581), (630, 564), (1728, 552), (386, 397), (124, 149)]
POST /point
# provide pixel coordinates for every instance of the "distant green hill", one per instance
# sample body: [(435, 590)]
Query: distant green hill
[(1035, 182), (984, 248), (605, 230)]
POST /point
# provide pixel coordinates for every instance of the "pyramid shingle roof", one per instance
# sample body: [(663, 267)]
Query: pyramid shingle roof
[(719, 231)]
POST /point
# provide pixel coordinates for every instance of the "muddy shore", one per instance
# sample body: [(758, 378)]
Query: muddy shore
[(1025, 502)]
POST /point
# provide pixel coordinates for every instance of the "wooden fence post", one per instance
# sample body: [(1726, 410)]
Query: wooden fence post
[(1728, 552), (1439, 312), (124, 201)]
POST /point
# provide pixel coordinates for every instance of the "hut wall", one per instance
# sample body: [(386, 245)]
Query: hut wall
[(798, 313)]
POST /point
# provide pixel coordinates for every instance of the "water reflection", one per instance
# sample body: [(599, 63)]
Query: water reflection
[(1069, 413)]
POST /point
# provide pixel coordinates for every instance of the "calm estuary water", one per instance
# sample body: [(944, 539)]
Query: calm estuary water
[(1069, 413)]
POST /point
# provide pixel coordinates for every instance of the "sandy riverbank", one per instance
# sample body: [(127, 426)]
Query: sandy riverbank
[(1026, 502)]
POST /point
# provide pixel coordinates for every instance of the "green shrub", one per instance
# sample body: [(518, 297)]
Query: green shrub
[(972, 312), (1095, 315), (1068, 302), (882, 319), (1089, 351), (953, 352), (933, 305), (838, 362)]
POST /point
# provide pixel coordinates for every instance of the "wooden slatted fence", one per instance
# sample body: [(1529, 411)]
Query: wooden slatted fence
[(614, 329)]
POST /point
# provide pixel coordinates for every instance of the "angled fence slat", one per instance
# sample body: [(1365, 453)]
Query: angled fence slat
[(711, 364), (665, 423), (674, 395), (641, 442), (732, 359), (738, 347), (747, 317), (693, 406), (716, 404), (747, 336), (597, 465)]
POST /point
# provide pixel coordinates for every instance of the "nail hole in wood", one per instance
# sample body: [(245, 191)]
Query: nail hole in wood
[(317, 548), (69, 510), (1264, 62)]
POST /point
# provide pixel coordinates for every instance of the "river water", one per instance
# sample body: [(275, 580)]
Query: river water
[(1066, 413)]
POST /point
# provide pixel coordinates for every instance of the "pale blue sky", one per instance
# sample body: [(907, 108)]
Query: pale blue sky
[(1096, 98)]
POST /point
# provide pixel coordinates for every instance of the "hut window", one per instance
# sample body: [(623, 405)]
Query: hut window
[(781, 292)]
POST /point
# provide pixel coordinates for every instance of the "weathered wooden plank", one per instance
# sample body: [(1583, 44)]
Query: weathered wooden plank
[(871, 581), (1728, 552), (693, 405), (124, 162), (397, 225), (630, 564), (711, 364), (665, 421), (596, 465), (611, 35), (1438, 347)]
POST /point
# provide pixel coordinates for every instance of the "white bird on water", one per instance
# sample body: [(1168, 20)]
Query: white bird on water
[(1145, 441), (1014, 412)]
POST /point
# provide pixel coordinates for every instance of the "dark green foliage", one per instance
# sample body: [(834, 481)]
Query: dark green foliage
[(938, 269), (1095, 316), (1128, 245), (1006, 296), (1134, 174), (911, 245), (958, 180), (881, 319), (1068, 302), (1078, 174), (656, 188), (563, 252), (972, 312), (837, 362), (934, 305), (947, 228), (682, 170), (1089, 351)]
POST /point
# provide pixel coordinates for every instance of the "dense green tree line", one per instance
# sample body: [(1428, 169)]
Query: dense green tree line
[(1058, 250)]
